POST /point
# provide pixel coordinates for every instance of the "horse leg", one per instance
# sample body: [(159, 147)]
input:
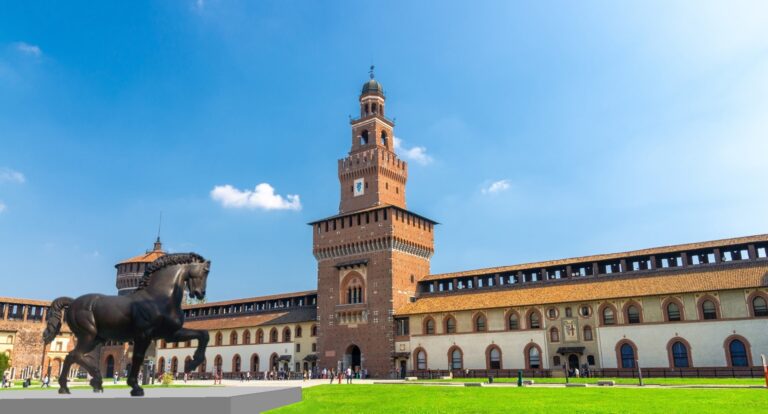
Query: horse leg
[(139, 349), (91, 360), (84, 345), (201, 336), (63, 389)]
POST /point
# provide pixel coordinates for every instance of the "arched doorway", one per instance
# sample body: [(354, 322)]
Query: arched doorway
[(110, 366), (573, 362), (353, 358), (273, 361)]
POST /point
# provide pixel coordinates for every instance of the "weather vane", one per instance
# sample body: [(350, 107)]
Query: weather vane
[(371, 71)]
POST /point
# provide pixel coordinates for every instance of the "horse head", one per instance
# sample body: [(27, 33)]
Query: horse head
[(197, 278)]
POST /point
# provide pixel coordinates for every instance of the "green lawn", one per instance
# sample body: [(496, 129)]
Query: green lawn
[(441, 399), (631, 381)]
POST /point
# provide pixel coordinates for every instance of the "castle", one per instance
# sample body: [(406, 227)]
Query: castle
[(692, 309)]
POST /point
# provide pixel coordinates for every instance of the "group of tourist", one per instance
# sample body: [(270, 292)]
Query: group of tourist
[(347, 374)]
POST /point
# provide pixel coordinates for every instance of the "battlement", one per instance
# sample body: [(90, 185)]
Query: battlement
[(372, 157)]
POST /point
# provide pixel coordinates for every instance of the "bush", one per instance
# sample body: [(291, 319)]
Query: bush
[(3, 362), (167, 379)]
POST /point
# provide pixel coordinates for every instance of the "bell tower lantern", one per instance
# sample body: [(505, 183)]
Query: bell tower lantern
[(372, 174)]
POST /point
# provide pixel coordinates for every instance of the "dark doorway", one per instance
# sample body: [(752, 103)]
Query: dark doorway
[(352, 357), (110, 366), (573, 362), (402, 369)]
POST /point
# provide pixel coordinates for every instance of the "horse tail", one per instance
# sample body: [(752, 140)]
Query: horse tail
[(54, 318)]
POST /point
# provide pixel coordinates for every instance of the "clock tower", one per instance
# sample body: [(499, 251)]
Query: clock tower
[(371, 254)]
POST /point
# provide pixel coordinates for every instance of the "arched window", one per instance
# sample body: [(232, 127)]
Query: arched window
[(355, 289), (217, 363), (298, 331), (364, 137), (738, 354), (287, 334), (480, 325), (633, 314), (236, 363), (534, 320), (384, 138), (255, 362), (247, 337), (708, 309), (493, 355), (161, 365), (673, 312), (273, 335), (513, 321), (532, 356), (259, 336), (429, 326), (313, 332), (455, 358), (421, 358), (759, 306), (219, 339), (233, 338), (608, 315), (626, 355), (587, 333), (554, 335), (680, 356), (450, 325)]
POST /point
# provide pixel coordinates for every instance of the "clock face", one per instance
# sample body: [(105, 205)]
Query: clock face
[(359, 187)]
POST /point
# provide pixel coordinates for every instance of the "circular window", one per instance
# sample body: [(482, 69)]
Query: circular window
[(585, 310), (552, 313)]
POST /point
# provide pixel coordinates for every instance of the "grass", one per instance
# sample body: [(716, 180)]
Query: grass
[(629, 381), (425, 399)]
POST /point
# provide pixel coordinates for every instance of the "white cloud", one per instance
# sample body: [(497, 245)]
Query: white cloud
[(497, 187), (27, 49), (416, 154), (10, 176), (262, 197), (2, 207)]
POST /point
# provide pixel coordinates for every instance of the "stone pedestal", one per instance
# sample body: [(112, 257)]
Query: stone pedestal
[(213, 400)]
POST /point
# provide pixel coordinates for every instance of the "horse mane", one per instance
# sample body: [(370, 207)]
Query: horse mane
[(165, 261)]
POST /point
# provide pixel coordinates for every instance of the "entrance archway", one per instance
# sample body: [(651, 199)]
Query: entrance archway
[(573, 362), (353, 358), (110, 367)]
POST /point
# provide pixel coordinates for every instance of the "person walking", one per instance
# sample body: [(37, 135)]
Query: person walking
[(349, 375), (330, 375)]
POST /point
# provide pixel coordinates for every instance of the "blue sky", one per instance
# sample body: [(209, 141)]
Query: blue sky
[(534, 131)]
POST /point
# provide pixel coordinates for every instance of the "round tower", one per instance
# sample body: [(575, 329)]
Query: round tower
[(130, 271)]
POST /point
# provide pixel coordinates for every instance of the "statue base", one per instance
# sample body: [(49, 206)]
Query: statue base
[(213, 400)]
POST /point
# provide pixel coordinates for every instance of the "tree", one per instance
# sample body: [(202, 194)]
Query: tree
[(4, 362)]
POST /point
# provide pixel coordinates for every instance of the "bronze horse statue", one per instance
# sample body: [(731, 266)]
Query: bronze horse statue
[(151, 312)]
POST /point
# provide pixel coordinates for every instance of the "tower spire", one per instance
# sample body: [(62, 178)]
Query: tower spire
[(158, 245), (370, 72)]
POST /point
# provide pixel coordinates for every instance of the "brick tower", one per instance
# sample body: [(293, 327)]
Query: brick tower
[(371, 255)]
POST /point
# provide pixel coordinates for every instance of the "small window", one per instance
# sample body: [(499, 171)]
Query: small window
[(585, 310), (633, 314), (514, 322), (708, 309), (450, 325), (534, 321), (552, 313), (456, 359), (609, 317), (587, 333), (759, 306), (556, 361), (568, 312), (680, 355), (429, 327), (591, 359), (673, 312), (627, 356), (554, 335), (480, 323)]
